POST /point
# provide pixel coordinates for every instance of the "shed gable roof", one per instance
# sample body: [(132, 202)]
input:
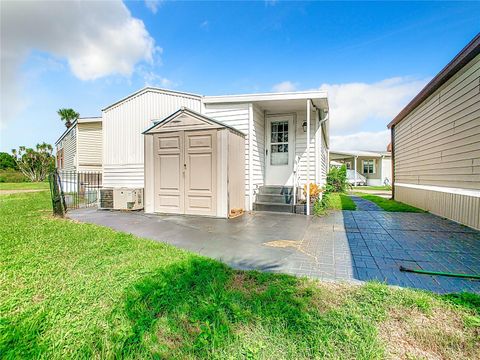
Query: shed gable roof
[(186, 119)]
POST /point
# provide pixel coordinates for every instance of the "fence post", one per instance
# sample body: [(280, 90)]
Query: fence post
[(58, 202)]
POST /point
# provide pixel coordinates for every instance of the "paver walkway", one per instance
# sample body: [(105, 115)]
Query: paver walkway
[(365, 205), (343, 245)]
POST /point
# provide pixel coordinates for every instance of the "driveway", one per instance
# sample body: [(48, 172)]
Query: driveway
[(344, 245)]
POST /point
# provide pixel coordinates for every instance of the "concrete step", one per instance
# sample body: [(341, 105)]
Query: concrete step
[(275, 198), (266, 206), (276, 190)]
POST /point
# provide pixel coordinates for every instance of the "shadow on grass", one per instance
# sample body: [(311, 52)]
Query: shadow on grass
[(202, 308)]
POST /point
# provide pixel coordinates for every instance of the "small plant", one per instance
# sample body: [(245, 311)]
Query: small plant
[(315, 192)]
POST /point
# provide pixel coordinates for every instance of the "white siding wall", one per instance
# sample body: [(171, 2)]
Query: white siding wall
[(258, 137), (323, 160), (301, 148), (89, 146), (123, 124), (236, 116)]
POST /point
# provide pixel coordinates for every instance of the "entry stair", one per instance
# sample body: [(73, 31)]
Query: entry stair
[(274, 198)]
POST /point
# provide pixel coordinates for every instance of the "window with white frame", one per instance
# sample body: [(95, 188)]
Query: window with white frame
[(368, 166)]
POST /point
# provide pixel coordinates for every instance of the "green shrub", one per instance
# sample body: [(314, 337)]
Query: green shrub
[(12, 176), (337, 180)]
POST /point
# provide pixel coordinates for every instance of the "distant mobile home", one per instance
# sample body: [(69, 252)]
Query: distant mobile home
[(79, 148), (436, 142), (370, 168), (182, 150)]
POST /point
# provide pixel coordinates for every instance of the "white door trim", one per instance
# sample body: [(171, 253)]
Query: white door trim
[(277, 177)]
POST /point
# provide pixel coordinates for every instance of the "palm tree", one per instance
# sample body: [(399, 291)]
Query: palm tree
[(68, 116)]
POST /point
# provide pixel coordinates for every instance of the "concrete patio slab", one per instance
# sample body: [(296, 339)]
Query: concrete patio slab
[(347, 246)]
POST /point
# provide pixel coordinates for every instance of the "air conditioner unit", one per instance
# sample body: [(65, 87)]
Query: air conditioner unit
[(127, 199), (106, 199)]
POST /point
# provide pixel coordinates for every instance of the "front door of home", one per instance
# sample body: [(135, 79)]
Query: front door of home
[(185, 172), (279, 150)]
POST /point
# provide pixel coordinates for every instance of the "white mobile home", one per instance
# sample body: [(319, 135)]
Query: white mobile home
[(436, 142), (275, 128)]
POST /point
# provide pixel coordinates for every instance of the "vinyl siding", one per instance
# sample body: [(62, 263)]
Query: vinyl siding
[(69, 146), (437, 150), (236, 116), (322, 162), (258, 138), (123, 124), (301, 148), (439, 142), (89, 146)]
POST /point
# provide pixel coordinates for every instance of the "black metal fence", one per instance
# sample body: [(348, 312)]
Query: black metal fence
[(75, 189)]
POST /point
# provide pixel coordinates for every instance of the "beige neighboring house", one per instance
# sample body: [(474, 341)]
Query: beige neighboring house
[(364, 167), (436, 142), (79, 148)]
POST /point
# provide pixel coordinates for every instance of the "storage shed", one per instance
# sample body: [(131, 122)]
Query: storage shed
[(194, 165)]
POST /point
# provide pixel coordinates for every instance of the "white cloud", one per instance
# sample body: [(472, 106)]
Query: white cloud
[(152, 79), (284, 86), (365, 140), (356, 105), (204, 24), (97, 39), (153, 5)]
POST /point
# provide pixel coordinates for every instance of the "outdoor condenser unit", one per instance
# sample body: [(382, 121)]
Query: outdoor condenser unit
[(106, 199), (127, 199)]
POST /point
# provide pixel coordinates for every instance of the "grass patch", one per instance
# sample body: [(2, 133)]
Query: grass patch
[(339, 201), (25, 186), (390, 205), (72, 290)]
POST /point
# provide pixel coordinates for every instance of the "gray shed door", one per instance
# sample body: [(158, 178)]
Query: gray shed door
[(185, 172)]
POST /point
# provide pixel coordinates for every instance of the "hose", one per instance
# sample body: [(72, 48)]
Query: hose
[(426, 272)]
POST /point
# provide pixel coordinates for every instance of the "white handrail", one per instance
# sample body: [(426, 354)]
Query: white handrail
[(295, 167)]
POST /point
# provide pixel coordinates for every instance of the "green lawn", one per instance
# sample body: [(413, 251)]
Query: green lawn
[(390, 205), (338, 201), (25, 186), (72, 290), (386, 188)]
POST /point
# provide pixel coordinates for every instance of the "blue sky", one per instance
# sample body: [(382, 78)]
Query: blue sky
[(371, 57)]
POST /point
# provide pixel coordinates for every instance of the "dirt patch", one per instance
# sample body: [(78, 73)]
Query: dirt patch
[(9, 192), (327, 296), (296, 244), (409, 333), (246, 283)]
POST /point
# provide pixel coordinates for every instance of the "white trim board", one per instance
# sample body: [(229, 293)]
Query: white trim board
[(450, 190)]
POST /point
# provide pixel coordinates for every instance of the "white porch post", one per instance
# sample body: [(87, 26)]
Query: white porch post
[(355, 171), (308, 157), (318, 146)]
